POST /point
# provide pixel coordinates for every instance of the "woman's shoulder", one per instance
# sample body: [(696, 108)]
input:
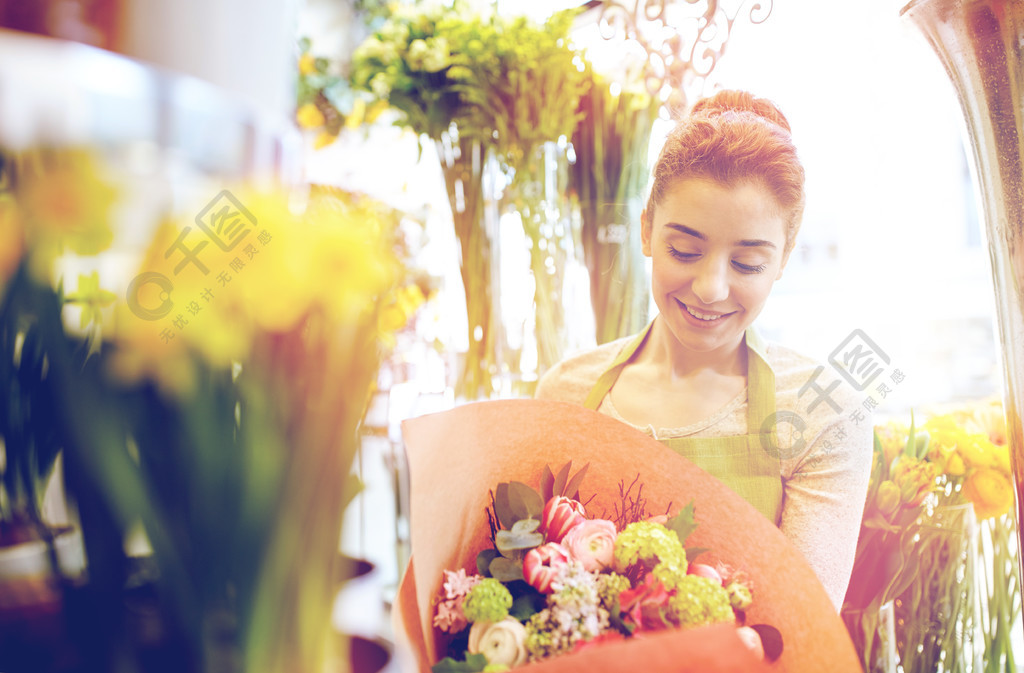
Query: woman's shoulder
[(572, 379), (810, 387)]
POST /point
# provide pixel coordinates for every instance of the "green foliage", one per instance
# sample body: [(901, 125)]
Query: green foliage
[(683, 523), (474, 663), (562, 484)]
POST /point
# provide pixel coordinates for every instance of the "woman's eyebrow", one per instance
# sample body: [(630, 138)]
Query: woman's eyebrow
[(746, 243), (686, 230), (755, 243)]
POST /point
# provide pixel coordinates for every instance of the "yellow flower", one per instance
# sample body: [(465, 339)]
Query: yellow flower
[(91, 297), (915, 479), (358, 114), (323, 139), (309, 116), (12, 240), (307, 64), (990, 491), (988, 418), (65, 202), (887, 500), (375, 111), (977, 451)]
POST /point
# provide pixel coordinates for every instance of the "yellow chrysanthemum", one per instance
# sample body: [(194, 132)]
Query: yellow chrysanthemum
[(65, 202), (309, 116), (990, 491), (307, 64)]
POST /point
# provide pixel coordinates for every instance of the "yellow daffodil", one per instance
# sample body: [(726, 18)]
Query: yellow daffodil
[(307, 64), (990, 491), (91, 298), (309, 116), (65, 202), (887, 500)]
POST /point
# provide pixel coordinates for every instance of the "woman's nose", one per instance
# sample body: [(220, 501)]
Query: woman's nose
[(711, 284)]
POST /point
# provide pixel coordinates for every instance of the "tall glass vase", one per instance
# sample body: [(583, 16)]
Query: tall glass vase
[(980, 44), (537, 195), (463, 164)]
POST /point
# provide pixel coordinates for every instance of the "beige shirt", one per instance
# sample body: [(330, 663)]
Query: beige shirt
[(825, 464)]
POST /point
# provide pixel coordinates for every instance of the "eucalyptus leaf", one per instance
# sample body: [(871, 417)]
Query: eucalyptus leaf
[(505, 570), (524, 502), (501, 506), (483, 560), (510, 541)]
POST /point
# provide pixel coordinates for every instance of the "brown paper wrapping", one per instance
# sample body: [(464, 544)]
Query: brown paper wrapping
[(456, 457)]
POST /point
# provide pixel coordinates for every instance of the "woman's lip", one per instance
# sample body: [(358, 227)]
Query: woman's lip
[(717, 314)]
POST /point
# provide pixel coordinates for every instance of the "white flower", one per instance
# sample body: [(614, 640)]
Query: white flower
[(503, 643)]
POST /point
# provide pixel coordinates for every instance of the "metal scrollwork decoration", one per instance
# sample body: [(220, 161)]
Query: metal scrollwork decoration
[(683, 39)]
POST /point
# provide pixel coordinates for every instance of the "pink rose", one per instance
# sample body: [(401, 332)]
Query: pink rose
[(592, 543), (541, 564), (560, 515)]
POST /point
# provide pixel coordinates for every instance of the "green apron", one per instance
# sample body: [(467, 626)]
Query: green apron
[(741, 461)]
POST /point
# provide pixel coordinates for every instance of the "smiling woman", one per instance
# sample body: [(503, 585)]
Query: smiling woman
[(725, 206)]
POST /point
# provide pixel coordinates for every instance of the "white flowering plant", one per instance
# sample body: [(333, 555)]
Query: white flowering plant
[(555, 581)]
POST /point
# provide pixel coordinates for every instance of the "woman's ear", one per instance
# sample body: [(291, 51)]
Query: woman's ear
[(645, 232)]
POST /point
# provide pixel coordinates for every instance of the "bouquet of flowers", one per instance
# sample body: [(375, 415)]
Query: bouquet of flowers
[(555, 581), (607, 581), (937, 549)]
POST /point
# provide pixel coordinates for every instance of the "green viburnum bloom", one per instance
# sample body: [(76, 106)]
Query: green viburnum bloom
[(609, 586), (699, 601), (650, 543), (488, 601)]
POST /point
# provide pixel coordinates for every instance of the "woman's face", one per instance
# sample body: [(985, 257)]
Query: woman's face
[(716, 251)]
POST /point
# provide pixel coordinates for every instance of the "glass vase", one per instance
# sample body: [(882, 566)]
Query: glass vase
[(937, 617), (979, 44), (535, 209)]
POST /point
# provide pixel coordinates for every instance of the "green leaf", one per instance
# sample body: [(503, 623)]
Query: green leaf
[(683, 523), (474, 663), (561, 478), (522, 536), (524, 502), (502, 508), (483, 560), (505, 570), (547, 484), (694, 552), (527, 605), (572, 489)]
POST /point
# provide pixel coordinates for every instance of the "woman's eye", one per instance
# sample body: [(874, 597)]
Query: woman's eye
[(679, 254), (750, 268)]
